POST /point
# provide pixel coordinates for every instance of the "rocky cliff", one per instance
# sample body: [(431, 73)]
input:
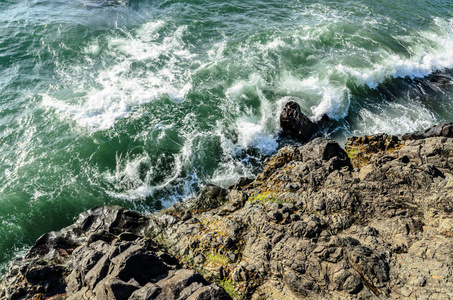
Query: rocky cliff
[(373, 220)]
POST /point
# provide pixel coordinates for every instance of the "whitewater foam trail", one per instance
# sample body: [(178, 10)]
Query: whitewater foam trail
[(250, 80), (120, 88), (327, 88), (431, 51)]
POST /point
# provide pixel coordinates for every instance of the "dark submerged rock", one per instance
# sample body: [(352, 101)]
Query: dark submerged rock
[(295, 124)]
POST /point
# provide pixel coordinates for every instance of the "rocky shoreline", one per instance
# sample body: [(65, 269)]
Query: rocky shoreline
[(373, 220)]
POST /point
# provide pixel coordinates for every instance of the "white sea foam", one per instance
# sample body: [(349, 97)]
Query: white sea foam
[(119, 88), (319, 95), (320, 88), (434, 54), (231, 169), (254, 130), (130, 183), (134, 177), (395, 118), (253, 135), (324, 90)]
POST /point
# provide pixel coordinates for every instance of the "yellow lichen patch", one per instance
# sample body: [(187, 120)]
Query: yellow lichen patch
[(217, 225), (228, 286), (205, 220), (262, 196), (360, 150), (266, 197), (186, 258), (216, 259), (351, 152)]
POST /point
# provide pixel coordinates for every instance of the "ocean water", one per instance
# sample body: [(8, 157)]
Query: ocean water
[(139, 103)]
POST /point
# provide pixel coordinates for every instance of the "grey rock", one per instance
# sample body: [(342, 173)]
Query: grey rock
[(209, 292), (149, 291), (440, 130), (373, 221), (211, 196), (352, 285), (105, 264)]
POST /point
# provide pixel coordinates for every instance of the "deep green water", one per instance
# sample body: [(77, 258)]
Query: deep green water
[(139, 103)]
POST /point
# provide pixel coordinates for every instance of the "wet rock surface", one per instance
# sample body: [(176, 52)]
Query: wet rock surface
[(296, 125), (369, 222)]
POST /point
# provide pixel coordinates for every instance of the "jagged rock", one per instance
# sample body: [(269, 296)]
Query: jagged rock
[(183, 284), (106, 263), (372, 222), (373, 148), (440, 130), (211, 196), (311, 217), (362, 149), (295, 124)]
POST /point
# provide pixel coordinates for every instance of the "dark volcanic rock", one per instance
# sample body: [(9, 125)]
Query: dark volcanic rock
[(295, 124), (110, 259)]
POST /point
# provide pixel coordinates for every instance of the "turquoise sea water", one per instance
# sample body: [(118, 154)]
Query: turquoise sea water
[(139, 102)]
